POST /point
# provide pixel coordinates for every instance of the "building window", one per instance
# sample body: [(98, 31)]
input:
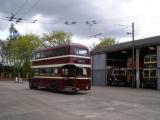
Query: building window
[(146, 59), (149, 73), (152, 73), (150, 59)]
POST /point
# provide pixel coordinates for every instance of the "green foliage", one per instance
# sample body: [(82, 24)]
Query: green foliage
[(92, 46), (13, 32), (56, 38), (19, 48), (19, 51), (104, 42)]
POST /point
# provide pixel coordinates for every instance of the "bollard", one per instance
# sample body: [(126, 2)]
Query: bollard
[(16, 79)]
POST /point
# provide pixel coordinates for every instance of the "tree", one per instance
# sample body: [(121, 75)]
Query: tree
[(19, 52), (56, 38), (104, 42), (13, 32)]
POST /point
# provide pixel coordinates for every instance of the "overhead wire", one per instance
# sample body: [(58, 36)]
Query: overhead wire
[(34, 5), (21, 7), (139, 21), (20, 19)]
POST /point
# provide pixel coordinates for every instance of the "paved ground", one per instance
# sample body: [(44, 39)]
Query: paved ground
[(18, 102)]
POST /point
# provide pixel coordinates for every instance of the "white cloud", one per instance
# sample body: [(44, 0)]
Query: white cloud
[(88, 42), (4, 34), (35, 28), (108, 13)]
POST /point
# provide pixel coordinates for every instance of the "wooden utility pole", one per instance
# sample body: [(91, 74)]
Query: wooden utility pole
[(133, 57)]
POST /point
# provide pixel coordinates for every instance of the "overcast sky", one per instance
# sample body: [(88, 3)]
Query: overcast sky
[(113, 18)]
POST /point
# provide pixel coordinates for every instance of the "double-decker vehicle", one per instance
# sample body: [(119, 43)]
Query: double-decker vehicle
[(116, 76), (61, 68), (150, 71), (116, 72)]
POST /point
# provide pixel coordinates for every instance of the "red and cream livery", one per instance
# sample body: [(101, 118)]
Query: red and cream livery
[(61, 68)]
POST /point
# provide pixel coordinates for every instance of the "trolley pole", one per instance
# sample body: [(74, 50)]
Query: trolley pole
[(133, 57)]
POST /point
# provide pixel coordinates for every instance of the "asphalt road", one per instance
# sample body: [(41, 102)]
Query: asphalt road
[(18, 102)]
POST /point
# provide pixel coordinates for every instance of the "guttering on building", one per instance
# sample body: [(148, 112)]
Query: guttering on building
[(114, 65)]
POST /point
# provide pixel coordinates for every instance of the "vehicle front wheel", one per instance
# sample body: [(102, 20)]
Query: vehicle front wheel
[(31, 86)]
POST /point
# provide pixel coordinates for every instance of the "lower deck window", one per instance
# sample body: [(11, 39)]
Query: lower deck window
[(36, 72), (67, 71), (74, 71), (45, 71)]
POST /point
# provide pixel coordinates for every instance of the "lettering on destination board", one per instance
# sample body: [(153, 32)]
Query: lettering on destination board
[(81, 61)]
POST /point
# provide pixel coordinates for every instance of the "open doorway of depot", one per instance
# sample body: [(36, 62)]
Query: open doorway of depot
[(122, 71)]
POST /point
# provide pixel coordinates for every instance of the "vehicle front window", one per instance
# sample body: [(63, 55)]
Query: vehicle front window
[(43, 55), (82, 52), (65, 72), (33, 56), (38, 55), (81, 71)]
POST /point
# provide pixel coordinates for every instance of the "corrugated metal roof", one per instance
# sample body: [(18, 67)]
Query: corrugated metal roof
[(151, 41)]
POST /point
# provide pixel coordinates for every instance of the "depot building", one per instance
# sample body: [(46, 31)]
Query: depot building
[(131, 64)]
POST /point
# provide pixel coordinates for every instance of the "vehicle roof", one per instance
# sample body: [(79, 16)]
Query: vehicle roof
[(61, 46)]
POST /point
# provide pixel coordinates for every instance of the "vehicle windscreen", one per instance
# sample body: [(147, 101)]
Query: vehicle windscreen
[(74, 71), (81, 52)]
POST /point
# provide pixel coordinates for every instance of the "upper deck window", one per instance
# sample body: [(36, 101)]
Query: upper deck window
[(33, 56), (50, 53), (36, 55), (82, 52)]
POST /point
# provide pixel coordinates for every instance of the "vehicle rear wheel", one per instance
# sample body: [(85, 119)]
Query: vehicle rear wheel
[(54, 86)]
